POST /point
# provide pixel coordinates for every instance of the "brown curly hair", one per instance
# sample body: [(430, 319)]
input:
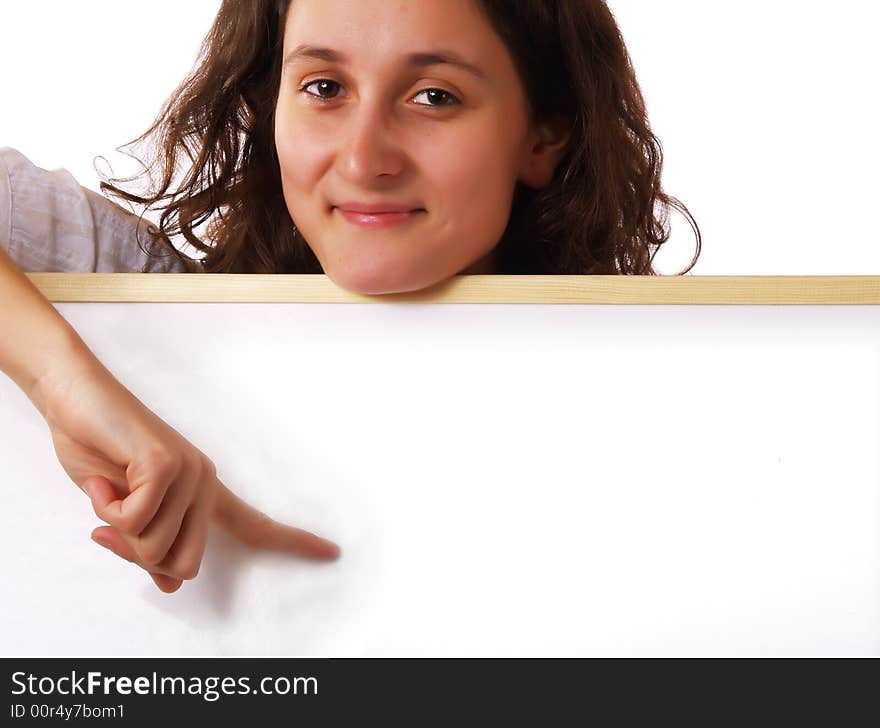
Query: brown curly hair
[(598, 216)]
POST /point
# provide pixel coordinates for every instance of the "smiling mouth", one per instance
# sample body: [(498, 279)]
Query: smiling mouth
[(378, 219)]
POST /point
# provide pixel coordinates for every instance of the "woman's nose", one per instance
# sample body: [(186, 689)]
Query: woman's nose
[(367, 146)]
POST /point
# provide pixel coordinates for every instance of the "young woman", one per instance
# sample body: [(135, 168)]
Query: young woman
[(388, 145)]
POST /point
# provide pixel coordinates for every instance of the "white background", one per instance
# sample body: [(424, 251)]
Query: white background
[(766, 111)]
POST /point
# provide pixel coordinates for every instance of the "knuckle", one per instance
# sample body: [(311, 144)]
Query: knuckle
[(120, 521), (130, 521), (187, 571), (198, 468), (150, 554), (194, 466), (100, 512), (208, 468), (163, 463), (126, 522)]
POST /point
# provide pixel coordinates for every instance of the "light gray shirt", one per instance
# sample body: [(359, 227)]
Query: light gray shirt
[(49, 223)]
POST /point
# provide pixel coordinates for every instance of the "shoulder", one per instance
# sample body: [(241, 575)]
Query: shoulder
[(50, 223)]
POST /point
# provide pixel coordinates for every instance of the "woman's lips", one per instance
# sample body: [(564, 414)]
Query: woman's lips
[(377, 219)]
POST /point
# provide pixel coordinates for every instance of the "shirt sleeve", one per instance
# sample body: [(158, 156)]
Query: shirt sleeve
[(49, 223)]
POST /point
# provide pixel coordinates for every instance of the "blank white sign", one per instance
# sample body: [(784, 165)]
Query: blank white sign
[(503, 480)]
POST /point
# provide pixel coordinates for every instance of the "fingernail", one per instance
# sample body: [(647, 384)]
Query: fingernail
[(101, 542)]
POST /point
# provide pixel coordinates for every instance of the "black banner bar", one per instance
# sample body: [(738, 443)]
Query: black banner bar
[(236, 691)]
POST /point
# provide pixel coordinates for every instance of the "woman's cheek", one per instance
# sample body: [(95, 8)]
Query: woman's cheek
[(483, 190), (286, 135), (291, 128)]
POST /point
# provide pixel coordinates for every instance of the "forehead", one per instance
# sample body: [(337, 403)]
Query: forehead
[(380, 32)]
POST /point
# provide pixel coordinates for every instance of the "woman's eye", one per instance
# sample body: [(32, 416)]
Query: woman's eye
[(438, 95), (434, 96), (323, 85)]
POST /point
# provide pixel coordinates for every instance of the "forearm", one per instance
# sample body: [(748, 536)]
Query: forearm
[(34, 337)]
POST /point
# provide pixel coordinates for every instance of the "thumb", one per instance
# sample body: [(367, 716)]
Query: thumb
[(256, 529), (99, 490)]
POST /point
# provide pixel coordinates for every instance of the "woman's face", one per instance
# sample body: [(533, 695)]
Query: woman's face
[(376, 116)]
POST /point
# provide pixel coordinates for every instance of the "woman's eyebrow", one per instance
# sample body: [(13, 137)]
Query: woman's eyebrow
[(416, 60)]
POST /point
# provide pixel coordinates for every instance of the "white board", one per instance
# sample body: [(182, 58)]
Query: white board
[(503, 480)]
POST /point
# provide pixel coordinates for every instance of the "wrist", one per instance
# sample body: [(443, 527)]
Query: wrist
[(59, 363)]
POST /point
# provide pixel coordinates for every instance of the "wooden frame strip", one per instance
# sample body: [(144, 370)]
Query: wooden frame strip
[(279, 288)]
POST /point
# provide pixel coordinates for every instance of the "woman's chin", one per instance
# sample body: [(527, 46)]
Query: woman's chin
[(377, 281)]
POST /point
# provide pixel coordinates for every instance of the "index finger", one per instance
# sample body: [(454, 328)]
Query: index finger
[(256, 529)]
